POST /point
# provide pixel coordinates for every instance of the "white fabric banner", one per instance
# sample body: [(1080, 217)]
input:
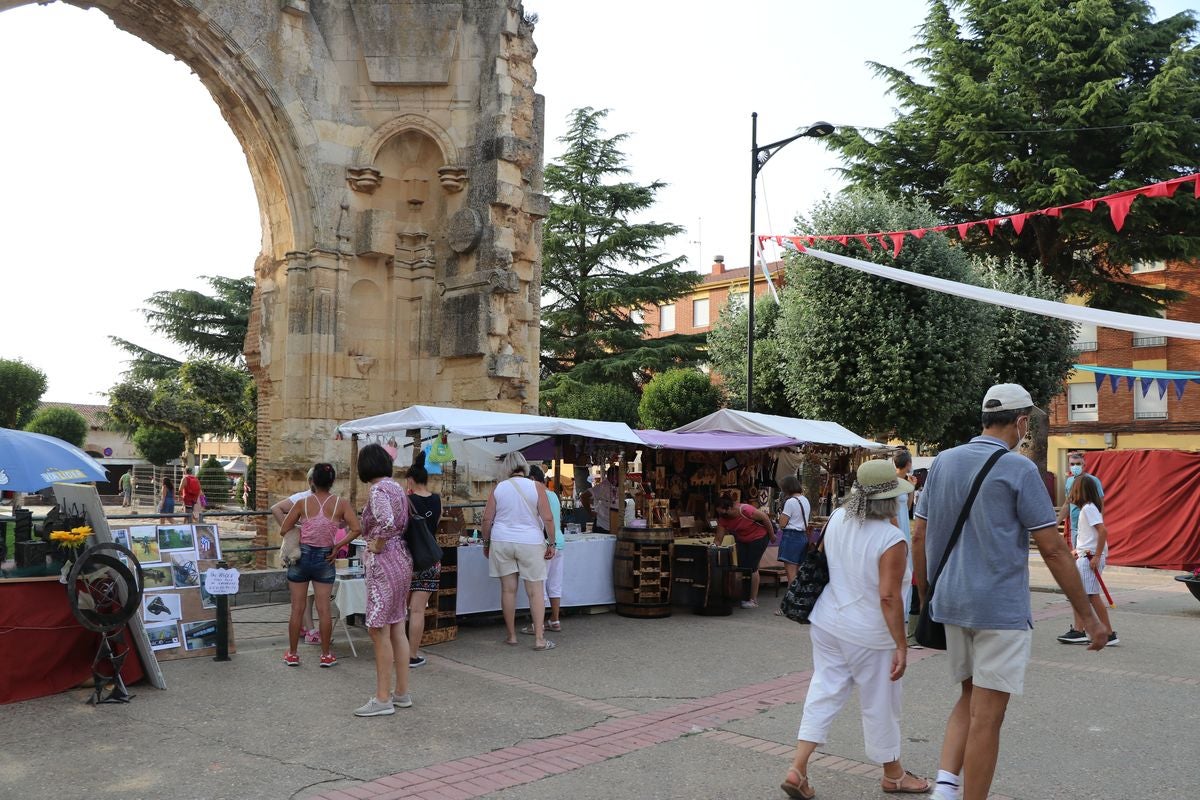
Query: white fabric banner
[(1153, 326)]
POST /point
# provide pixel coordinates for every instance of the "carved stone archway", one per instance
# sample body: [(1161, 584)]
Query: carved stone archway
[(395, 147)]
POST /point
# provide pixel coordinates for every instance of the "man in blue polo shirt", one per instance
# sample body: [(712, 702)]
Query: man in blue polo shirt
[(982, 595)]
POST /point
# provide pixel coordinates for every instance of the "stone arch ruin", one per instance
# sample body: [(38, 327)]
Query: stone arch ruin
[(396, 150)]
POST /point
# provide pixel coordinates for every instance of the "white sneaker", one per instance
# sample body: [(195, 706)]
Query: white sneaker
[(401, 700), (374, 708), (749, 604)]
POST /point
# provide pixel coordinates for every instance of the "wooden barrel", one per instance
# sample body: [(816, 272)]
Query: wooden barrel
[(642, 572)]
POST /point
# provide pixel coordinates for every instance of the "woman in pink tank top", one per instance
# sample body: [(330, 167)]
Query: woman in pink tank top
[(321, 516)]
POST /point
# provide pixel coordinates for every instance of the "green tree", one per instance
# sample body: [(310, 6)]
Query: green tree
[(158, 445), (727, 353), (21, 388), (1029, 104), (678, 396), (598, 268), (210, 326), (600, 401), (214, 482), (171, 403), (882, 358), (62, 423)]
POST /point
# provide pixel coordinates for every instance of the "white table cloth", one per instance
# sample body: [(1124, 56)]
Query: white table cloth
[(587, 576)]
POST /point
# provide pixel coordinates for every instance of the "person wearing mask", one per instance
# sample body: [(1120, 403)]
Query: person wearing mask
[(554, 572), (1078, 473), (1091, 549), (751, 531), (982, 594), (323, 518), (428, 505), (857, 631), (518, 542), (388, 572)]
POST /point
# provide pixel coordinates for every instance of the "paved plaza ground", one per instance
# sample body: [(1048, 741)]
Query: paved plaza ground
[(684, 707)]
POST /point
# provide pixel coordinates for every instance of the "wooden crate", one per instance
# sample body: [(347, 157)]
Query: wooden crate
[(441, 623)]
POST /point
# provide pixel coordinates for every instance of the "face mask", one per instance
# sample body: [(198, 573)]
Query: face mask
[(1020, 436), (1076, 469)]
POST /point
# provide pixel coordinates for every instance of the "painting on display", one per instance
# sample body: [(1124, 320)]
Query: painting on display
[(183, 565), (208, 547), (143, 541), (176, 537), (164, 636), (161, 607), (157, 577), (199, 635)]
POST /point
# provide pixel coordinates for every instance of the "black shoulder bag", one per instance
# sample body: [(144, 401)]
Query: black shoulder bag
[(929, 633), (812, 575), (421, 542)]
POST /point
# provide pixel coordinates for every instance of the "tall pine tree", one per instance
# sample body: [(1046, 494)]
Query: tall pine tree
[(1027, 104), (599, 267)]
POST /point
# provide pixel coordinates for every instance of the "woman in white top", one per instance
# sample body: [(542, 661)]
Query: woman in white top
[(517, 517), (1091, 548), (858, 636)]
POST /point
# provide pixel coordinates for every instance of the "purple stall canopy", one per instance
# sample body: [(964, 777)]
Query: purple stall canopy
[(714, 441)]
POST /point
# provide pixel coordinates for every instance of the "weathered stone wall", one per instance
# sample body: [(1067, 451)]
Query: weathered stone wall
[(396, 149)]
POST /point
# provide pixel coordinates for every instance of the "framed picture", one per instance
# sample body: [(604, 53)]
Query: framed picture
[(157, 576), (164, 636), (208, 547), (183, 565), (161, 607), (176, 537), (199, 635), (143, 541)]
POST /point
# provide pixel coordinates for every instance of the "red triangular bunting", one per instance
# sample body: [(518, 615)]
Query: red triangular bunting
[(1018, 222), (1118, 207), (844, 241), (882, 239), (1196, 181), (897, 243), (1164, 189), (991, 226), (811, 240), (1087, 205), (795, 240), (1053, 212), (862, 237), (919, 233), (962, 229)]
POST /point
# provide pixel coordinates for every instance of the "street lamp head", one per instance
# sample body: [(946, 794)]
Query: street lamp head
[(819, 129)]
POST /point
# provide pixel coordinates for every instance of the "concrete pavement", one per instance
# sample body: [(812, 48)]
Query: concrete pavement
[(684, 707)]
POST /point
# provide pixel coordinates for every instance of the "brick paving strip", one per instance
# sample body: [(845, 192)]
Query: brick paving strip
[(624, 732)]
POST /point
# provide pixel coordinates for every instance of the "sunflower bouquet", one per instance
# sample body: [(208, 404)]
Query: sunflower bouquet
[(73, 539)]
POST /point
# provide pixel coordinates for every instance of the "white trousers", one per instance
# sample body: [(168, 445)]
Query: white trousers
[(838, 667)]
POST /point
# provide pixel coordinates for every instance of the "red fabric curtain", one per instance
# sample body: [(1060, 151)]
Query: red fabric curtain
[(1151, 506), (43, 648)]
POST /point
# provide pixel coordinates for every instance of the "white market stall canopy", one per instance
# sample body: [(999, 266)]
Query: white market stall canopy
[(807, 431), (471, 424)]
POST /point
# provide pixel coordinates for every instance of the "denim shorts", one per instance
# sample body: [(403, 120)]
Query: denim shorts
[(312, 566), (793, 546)]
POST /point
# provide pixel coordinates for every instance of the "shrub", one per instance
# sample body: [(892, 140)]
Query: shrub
[(214, 482)]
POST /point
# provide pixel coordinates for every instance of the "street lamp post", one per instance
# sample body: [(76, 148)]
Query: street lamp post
[(759, 156)]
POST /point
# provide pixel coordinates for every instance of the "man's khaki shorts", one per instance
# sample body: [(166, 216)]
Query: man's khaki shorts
[(992, 659), (527, 559)]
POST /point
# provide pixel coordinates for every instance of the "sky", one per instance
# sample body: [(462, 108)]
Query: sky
[(119, 177)]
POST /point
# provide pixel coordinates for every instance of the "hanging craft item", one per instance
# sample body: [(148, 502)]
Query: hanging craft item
[(440, 452)]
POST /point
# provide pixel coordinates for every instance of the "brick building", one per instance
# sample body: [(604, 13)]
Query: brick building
[(1087, 418), (696, 312)]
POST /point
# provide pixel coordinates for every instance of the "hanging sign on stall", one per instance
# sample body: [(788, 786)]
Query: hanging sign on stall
[(221, 581)]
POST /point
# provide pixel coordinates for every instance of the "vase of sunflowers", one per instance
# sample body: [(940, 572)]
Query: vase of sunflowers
[(66, 546)]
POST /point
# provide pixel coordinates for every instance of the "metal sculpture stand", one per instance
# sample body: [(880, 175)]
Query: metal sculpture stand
[(105, 594)]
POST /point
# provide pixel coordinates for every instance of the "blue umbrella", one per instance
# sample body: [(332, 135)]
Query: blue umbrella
[(32, 461)]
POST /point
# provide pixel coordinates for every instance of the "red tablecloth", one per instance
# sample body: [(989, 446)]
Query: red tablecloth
[(43, 649)]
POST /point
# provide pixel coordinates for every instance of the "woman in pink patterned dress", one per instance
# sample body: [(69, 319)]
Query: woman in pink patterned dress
[(388, 567)]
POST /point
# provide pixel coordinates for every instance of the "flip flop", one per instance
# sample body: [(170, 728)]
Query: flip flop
[(527, 630), (897, 784), (549, 645), (513, 644), (554, 626)]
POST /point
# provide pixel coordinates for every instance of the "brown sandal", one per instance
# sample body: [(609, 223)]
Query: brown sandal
[(800, 789), (898, 787)]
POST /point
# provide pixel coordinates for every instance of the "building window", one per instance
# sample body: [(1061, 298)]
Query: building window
[(1085, 337), (1148, 266), (700, 313), (1082, 403), (666, 317), (1150, 406), (1150, 339)]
